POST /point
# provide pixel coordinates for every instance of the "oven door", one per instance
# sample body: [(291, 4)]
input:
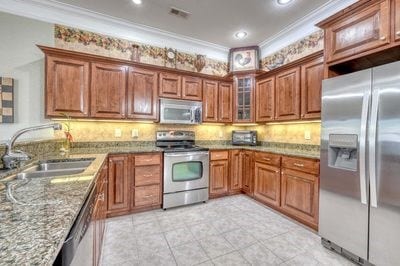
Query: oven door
[(185, 171)]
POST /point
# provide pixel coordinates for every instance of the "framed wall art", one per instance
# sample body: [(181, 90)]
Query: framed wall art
[(244, 59)]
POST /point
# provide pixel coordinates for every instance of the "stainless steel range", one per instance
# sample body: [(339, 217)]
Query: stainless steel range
[(186, 168)]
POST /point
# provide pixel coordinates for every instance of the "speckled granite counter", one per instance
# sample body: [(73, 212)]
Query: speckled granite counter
[(312, 154), (32, 233), (115, 150)]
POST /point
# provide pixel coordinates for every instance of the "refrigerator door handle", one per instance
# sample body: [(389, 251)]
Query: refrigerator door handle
[(363, 140), (372, 147)]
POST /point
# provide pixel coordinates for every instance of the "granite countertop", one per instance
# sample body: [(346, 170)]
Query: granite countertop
[(283, 151), (33, 230), (115, 150)]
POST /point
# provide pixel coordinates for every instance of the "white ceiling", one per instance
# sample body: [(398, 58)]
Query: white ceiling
[(213, 21)]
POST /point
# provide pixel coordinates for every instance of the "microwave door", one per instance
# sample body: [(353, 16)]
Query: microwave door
[(176, 114)]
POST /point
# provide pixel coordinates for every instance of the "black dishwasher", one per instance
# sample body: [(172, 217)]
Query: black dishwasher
[(78, 247)]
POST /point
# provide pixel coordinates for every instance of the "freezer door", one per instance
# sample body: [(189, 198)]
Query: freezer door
[(384, 166), (343, 189)]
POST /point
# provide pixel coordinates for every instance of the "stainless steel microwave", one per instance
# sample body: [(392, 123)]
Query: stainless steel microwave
[(244, 137), (180, 112)]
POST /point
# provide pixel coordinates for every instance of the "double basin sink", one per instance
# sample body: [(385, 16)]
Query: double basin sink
[(56, 168)]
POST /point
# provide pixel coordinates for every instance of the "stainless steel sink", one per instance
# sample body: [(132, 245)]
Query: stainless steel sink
[(55, 168)]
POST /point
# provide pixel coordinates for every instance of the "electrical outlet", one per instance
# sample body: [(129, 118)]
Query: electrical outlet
[(307, 135), (135, 133), (117, 133)]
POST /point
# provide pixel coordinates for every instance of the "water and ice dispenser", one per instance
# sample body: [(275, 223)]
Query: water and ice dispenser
[(343, 151)]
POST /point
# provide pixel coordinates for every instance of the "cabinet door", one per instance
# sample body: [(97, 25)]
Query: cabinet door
[(265, 100), (225, 102), (219, 177), (118, 183), (300, 195), (170, 86), (287, 93), (108, 90), (67, 87), (247, 174), (243, 100), (312, 74), (235, 176), (396, 21), (142, 94), (267, 184), (363, 31), (192, 88), (210, 101), (97, 241)]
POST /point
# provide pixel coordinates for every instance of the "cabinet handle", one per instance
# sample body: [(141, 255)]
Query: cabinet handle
[(101, 196), (398, 33), (382, 38), (298, 164), (277, 171), (149, 175), (148, 196), (267, 159)]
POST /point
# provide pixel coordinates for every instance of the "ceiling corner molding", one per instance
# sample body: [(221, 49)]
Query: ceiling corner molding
[(59, 13), (302, 27)]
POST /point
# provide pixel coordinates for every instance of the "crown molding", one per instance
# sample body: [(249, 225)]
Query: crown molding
[(302, 27), (59, 13)]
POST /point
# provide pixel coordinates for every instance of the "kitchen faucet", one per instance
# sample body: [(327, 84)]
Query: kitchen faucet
[(12, 159)]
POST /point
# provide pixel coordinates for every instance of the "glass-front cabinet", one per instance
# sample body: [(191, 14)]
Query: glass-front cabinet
[(244, 99)]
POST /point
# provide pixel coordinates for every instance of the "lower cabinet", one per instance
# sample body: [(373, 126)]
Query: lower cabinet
[(99, 214), (267, 184), (134, 183), (247, 173), (219, 173), (235, 171), (300, 189)]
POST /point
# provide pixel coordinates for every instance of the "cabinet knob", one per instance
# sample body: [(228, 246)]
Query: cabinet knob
[(267, 159), (277, 171), (382, 38), (398, 33)]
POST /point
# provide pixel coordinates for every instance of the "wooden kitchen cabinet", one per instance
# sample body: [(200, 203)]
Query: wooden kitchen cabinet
[(364, 29), (225, 102), (192, 88), (236, 171), (210, 101), (67, 86), (300, 189), (219, 173), (100, 213), (396, 20), (118, 184), (108, 91), (267, 178), (312, 74), (170, 85), (265, 100), (142, 94), (247, 173), (287, 91), (243, 99)]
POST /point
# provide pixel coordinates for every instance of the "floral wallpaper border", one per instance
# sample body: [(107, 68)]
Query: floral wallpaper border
[(301, 48), (94, 43)]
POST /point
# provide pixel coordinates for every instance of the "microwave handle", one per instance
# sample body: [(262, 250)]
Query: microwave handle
[(197, 115)]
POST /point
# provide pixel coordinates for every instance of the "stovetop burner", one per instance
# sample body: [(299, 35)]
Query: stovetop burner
[(177, 141), (184, 149)]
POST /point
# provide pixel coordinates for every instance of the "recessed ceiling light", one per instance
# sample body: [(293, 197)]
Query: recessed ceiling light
[(283, 2), (240, 35), (137, 2)]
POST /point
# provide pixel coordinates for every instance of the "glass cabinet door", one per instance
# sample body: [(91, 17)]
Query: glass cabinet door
[(244, 102)]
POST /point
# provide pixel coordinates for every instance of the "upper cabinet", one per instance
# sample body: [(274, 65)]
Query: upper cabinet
[(244, 99), (142, 94), (265, 100), (67, 86), (210, 101), (312, 74), (287, 91), (108, 90), (192, 88), (225, 102), (170, 86), (363, 29)]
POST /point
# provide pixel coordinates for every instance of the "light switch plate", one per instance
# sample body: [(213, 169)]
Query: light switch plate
[(307, 135), (117, 133), (135, 133)]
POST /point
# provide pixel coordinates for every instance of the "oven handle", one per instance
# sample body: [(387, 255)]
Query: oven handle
[(182, 154)]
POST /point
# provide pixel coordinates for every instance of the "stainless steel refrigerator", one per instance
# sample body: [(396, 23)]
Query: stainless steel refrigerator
[(360, 165)]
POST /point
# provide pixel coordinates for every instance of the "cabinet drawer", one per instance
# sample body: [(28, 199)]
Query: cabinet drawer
[(219, 155), (305, 165), (150, 159), (268, 158), (147, 175), (147, 196)]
